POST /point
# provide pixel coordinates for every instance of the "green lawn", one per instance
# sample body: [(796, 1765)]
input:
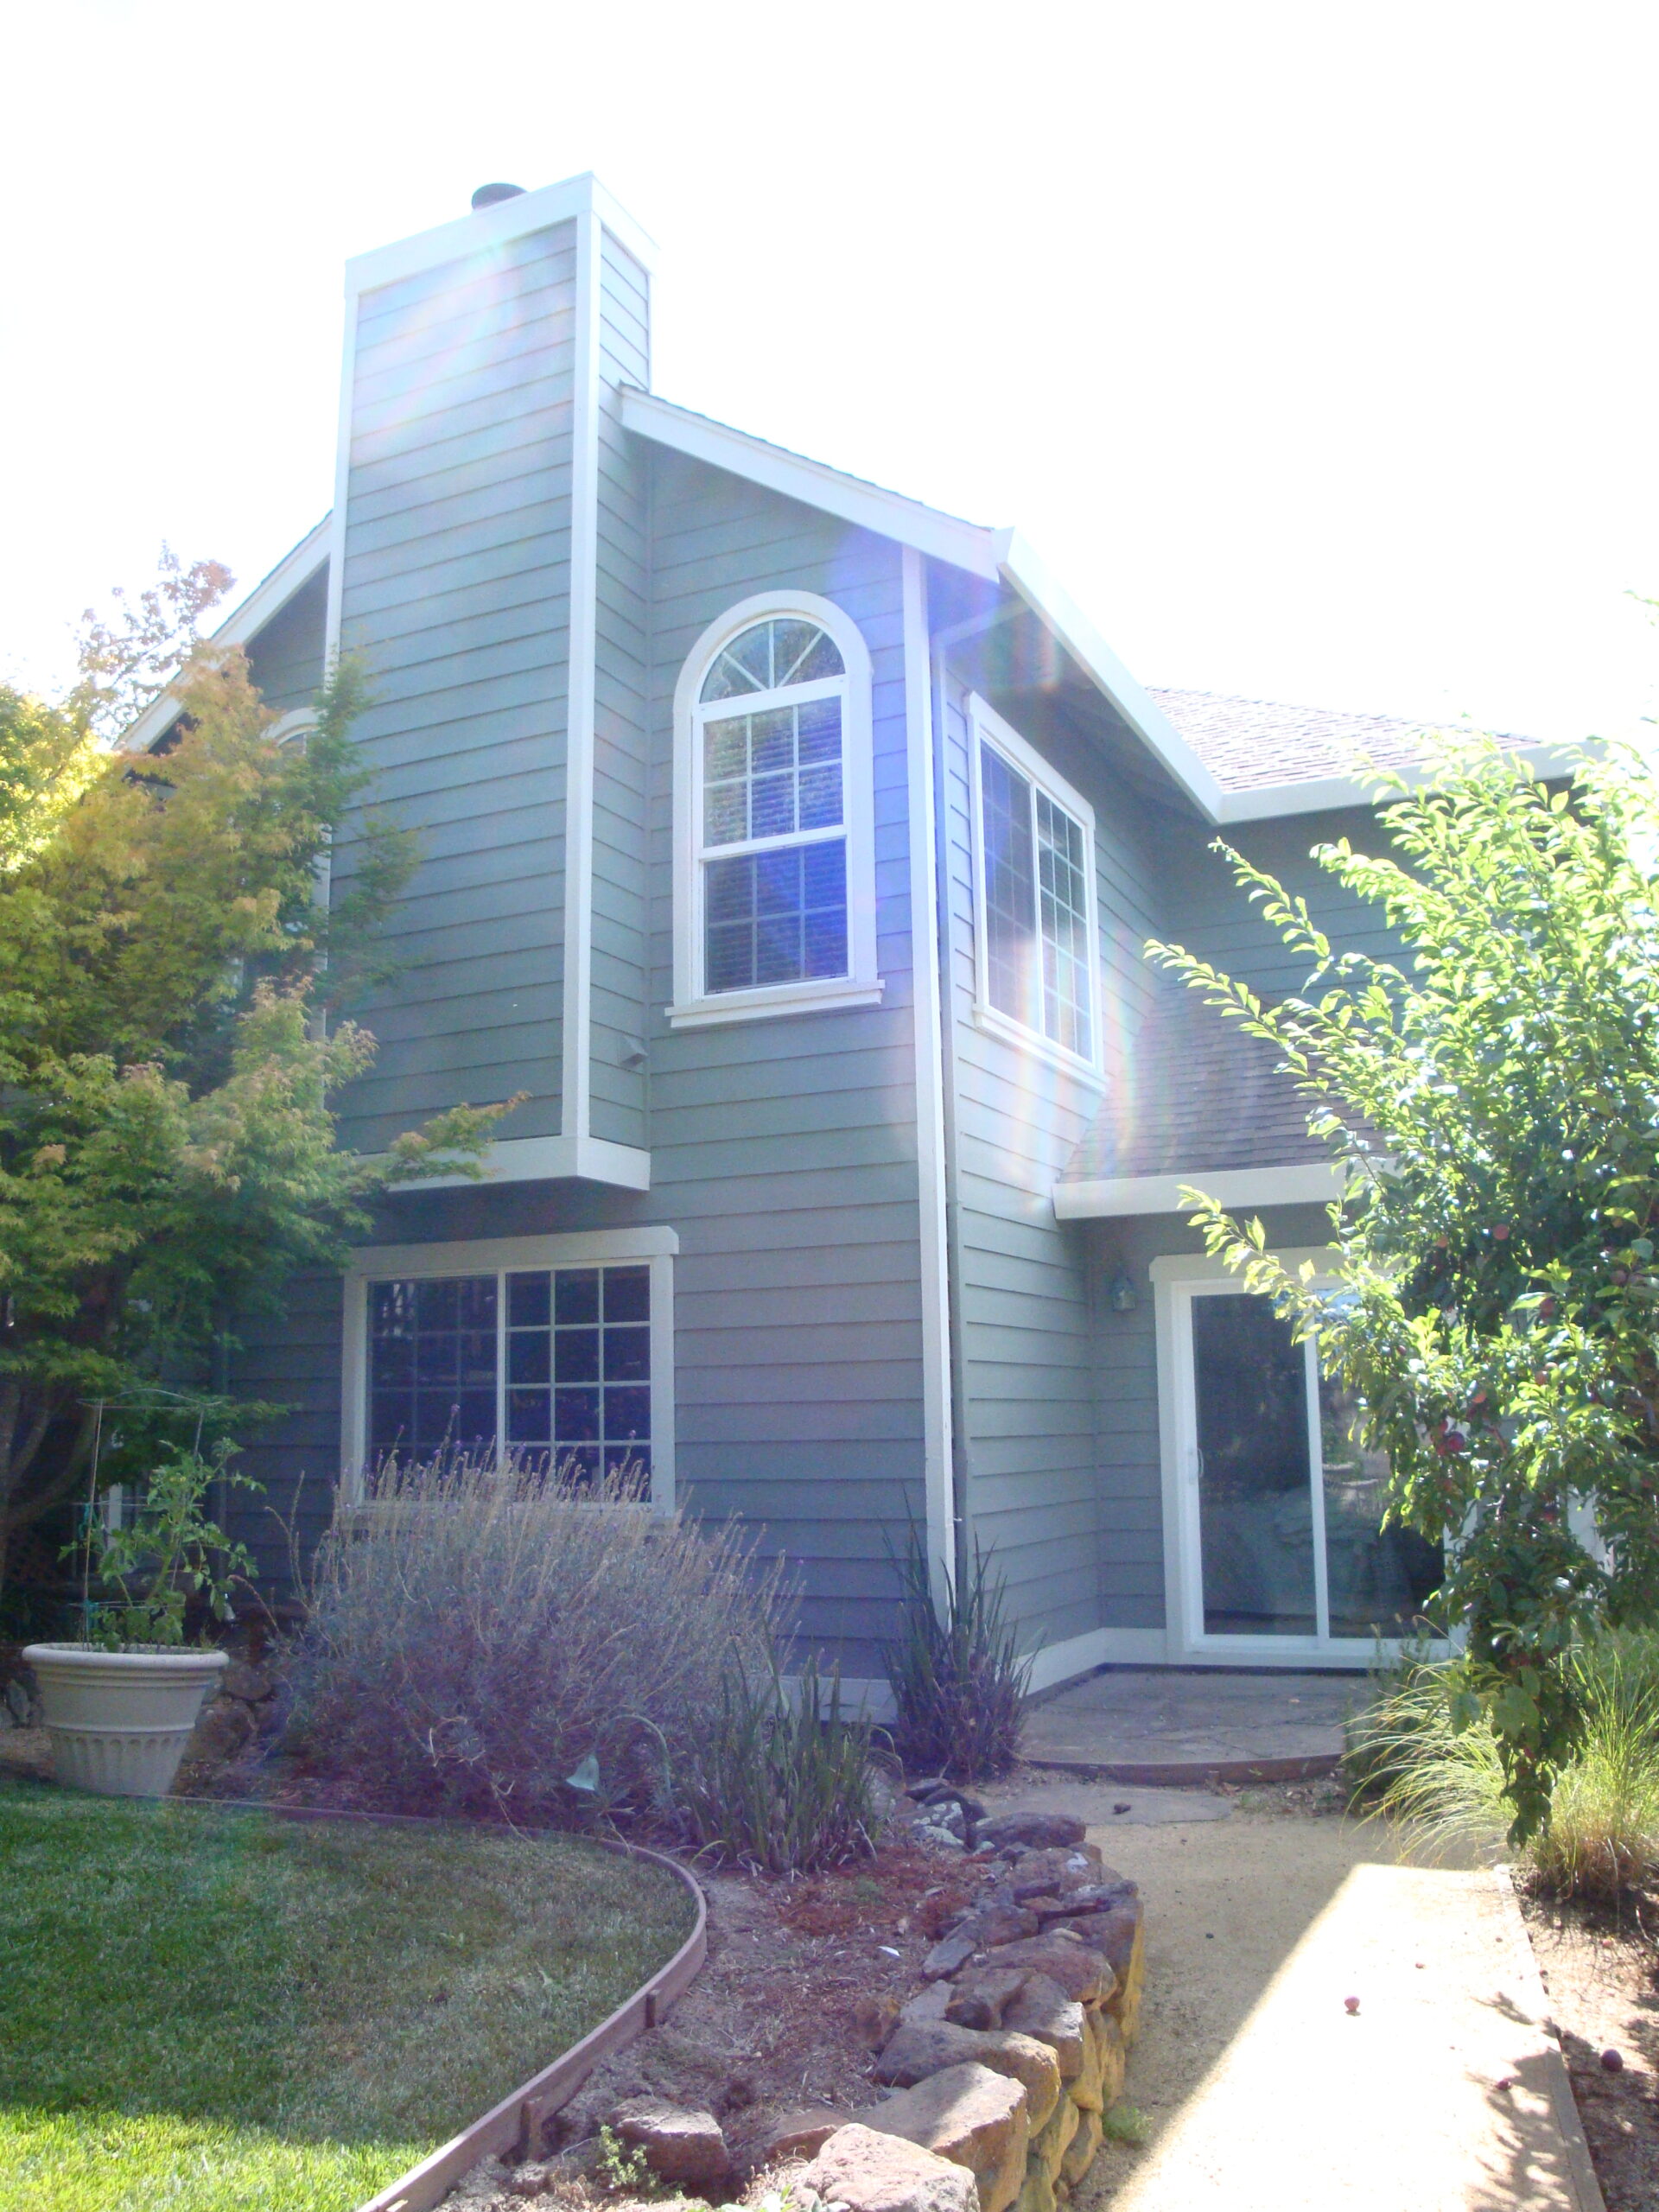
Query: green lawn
[(202, 2009)]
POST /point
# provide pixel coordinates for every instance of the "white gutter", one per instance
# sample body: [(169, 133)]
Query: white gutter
[(1109, 1198)]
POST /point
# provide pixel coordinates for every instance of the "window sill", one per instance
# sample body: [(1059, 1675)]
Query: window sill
[(788, 998), (1026, 1041)]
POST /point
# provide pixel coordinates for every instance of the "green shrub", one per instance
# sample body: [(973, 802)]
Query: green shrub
[(781, 1782), (1410, 1761), (958, 1680)]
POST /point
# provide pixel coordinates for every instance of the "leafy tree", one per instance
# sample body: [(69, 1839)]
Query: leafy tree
[(1497, 1090), (167, 1071)]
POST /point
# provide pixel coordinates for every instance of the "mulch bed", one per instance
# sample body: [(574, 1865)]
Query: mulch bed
[(1600, 1970), (773, 2022)]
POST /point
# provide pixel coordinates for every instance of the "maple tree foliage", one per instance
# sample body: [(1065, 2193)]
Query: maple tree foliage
[(168, 1149)]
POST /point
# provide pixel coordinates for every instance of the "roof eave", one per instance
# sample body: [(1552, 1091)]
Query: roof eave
[(1311, 1182), (887, 514), (1325, 794), (1027, 574), (267, 599)]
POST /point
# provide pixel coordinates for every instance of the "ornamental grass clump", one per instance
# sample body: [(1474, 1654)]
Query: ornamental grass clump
[(781, 1780), (1424, 1755), (522, 1644), (958, 1677)]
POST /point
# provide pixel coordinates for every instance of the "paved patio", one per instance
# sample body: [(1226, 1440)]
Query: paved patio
[(1156, 1725)]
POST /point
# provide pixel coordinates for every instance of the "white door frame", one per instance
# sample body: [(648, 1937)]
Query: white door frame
[(1177, 1278)]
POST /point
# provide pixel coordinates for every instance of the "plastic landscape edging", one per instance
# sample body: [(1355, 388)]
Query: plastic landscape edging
[(516, 2122)]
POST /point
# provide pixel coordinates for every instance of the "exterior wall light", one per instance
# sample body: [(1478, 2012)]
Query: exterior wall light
[(1122, 1296)]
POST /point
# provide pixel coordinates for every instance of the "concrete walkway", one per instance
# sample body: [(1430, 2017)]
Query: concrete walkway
[(1441, 2093), (1162, 1725)]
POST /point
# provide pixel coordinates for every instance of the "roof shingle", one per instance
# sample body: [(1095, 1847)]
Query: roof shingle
[(1194, 1093), (1247, 743)]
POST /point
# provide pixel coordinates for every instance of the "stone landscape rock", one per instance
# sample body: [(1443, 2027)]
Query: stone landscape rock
[(1060, 1869), (1100, 2083), (1049, 2146), (1082, 2150), (1113, 2047), (801, 2134), (1119, 1937), (681, 2146), (874, 2019), (1082, 1972), (948, 1956), (1043, 2010), (933, 1837), (869, 2171), (253, 1685), (1040, 1830), (969, 2115), (1087, 2087), (932, 2002), (982, 1994), (923, 2048), (996, 1923), (1036, 2191), (225, 1728), (1088, 1897), (534, 2179)]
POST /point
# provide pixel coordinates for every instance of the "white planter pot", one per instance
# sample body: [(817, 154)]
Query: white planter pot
[(119, 1720)]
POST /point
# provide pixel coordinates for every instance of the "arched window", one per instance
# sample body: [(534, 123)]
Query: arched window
[(775, 889)]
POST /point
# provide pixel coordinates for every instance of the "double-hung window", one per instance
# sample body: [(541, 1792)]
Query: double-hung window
[(774, 886), (554, 1350), (1034, 860)]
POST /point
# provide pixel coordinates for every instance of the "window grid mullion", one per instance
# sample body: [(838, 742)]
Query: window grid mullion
[(784, 841), (500, 1370)]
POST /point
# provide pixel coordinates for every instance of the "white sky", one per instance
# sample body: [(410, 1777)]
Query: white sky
[(1313, 345)]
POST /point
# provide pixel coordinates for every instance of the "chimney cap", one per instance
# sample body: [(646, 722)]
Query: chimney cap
[(491, 195)]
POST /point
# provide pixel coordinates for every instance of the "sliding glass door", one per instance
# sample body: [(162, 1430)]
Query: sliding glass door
[(1281, 1542)]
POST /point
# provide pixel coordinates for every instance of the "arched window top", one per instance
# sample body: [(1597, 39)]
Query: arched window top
[(774, 814), (769, 656)]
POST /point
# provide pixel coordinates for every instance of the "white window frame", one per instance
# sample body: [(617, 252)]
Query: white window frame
[(1177, 1280), (694, 1007), (500, 1255), (986, 726)]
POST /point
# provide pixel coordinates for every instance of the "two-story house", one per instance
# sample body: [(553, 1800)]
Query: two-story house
[(791, 846)]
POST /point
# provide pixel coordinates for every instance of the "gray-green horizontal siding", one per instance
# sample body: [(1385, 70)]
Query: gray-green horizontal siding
[(783, 1150), (285, 659), (1030, 1305), (457, 593)]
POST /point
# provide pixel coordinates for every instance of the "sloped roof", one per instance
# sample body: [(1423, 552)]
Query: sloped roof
[(1248, 744), (1192, 1093)]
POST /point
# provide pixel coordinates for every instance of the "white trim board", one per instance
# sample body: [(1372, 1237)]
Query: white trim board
[(1024, 571), (927, 1039), (537, 1159), (886, 514), (694, 1008), (494, 1255), (487, 227), (1077, 1655), (1177, 1280), (986, 726), (1310, 1183), (266, 600), (575, 1037)]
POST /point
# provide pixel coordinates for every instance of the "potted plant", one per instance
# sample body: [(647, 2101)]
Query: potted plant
[(119, 1706)]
